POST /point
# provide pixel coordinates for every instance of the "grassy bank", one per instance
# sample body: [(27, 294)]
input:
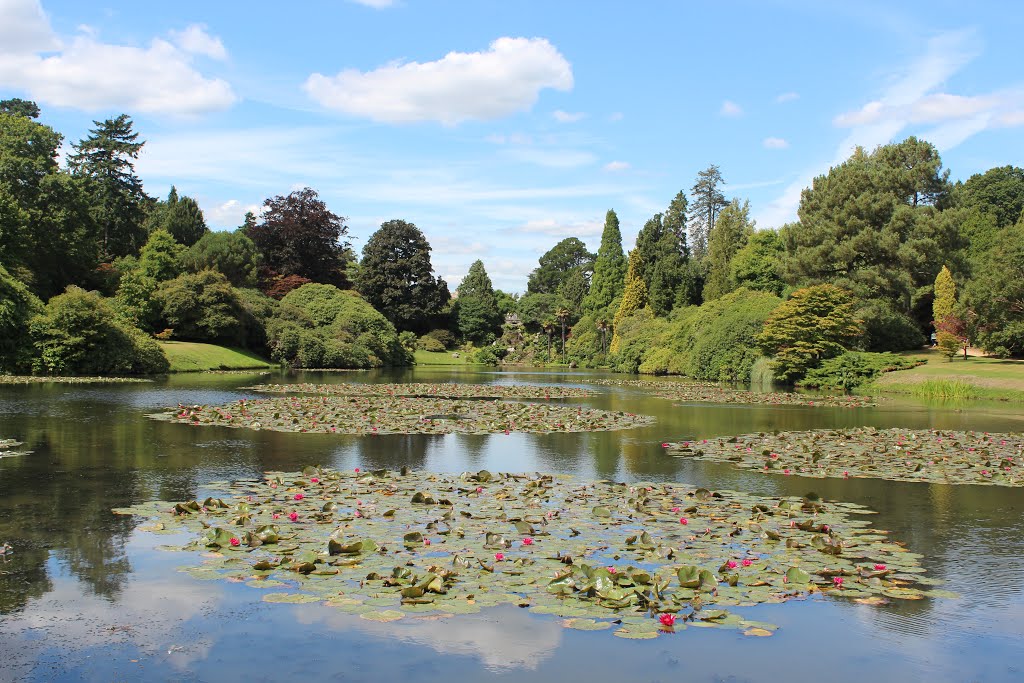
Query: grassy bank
[(442, 358), (195, 357), (975, 377)]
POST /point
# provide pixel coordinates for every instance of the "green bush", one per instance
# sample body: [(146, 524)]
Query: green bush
[(78, 334), (201, 307), (636, 335), (446, 338), (429, 343), (18, 305), (488, 355), (886, 329), (853, 369), (231, 253)]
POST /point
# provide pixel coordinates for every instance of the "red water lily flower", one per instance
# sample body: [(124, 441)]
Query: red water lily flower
[(731, 564), (299, 496), (235, 541), (747, 562), (276, 516), (880, 567), (527, 541), (499, 556), (667, 619), (838, 581), (684, 520), (314, 480), (293, 516), (357, 470)]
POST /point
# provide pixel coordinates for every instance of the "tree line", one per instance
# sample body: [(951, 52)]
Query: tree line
[(90, 263)]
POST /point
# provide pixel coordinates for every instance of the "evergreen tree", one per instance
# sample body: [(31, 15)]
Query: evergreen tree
[(555, 265), (397, 278), (661, 256), (476, 309), (758, 264), (634, 298), (180, 216), (708, 201), (105, 159), (609, 276), (231, 253), (19, 107), (945, 295), (731, 232)]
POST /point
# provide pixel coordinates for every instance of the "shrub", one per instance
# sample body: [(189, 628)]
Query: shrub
[(428, 343), (201, 307), (886, 329), (77, 333), (853, 369), (18, 305)]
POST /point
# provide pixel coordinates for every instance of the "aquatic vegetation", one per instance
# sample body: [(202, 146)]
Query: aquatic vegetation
[(402, 415), (7, 447), (950, 457), (424, 390), (47, 379), (707, 392), (386, 544)]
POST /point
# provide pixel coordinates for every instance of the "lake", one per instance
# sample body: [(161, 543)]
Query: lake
[(84, 595)]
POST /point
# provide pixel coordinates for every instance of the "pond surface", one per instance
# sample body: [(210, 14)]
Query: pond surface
[(84, 596)]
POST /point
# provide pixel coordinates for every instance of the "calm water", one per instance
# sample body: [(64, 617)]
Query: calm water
[(84, 596)]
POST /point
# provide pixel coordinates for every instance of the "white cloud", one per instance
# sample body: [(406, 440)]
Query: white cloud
[(505, 79), (376, 4), (91, 75), (787, 97), (230, 214), (616, 166), (25, 28), (775, 143), (731, 109), (197, 41), (568, 117)]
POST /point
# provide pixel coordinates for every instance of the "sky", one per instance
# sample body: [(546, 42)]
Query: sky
[(500, 128)]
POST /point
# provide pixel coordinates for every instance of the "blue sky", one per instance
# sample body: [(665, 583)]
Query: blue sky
[(500, 127)]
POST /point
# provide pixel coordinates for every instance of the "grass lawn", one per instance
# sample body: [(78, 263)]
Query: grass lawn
[(973, 377), (195, 357), (441, 358)]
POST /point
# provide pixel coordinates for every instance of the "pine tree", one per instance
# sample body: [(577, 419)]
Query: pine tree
[(476, 309), (708, 201), (609, 268), (731, 232), (633, 298)]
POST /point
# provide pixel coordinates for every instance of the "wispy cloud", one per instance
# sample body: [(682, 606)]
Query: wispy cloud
[(786, 97), (617, 166), (775, 143), (376, 4), (568, 117), (461, 86), (730, 109)]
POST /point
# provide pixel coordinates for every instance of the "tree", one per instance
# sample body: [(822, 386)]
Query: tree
[(397, 278), (661, 257), (817, 323), (634, 298), (730, 233), (201, 307), (298, 235), (17, 307), (758, 264), (945, 295), (105, 161), (19, 107), (47, 236), (476, 309), (708, 201), (609, 267), (871, 225), (161, 256), (562, 316), (558, 263), (995, 297), (231, 253), (78, 333), (180, 216)]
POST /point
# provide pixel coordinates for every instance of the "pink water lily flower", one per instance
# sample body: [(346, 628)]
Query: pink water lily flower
[(299, 496), (676, 509), (479, 489), (880, 567), (838, 581), (276, 516), (684, 520), (426, 541), (235, 541), (314, 480), (667, 619), (611, 569), (527, 541), (747, 562), (731, 564), (499, 556), (357, 470), (293, 516)]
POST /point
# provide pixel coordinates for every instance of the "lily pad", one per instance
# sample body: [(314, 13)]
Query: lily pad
[(424, 390)]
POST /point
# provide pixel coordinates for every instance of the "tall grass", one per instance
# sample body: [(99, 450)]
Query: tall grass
[(945, 389)]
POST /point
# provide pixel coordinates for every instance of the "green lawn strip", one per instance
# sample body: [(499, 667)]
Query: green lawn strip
[(959, 378), (196, 357), (443, 358)]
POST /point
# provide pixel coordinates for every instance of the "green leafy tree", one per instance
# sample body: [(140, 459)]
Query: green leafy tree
[(397, 278), (180, 216), (609, 277), (758, 264), (105, 160), (730, 233), (231, 253), (571, 293), (945, 295), (558, 263), (995, 297), (708, 201), (817, 323), (534, 308), (18, 306), (299, 235), (77, 333), (47, 236), (476, 309), (998, 191), (201, 307), (19, 107), (161, 256), (872, 225), (634, 298)]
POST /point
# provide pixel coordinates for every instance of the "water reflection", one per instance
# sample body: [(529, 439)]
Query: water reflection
[(79, 570)]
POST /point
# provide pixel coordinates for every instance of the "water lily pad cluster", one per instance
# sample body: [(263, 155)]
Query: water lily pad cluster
[(424, 390), (641, 559), (44, 379), (7, 447), (402, 415), (707, 392), (949, 457)]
